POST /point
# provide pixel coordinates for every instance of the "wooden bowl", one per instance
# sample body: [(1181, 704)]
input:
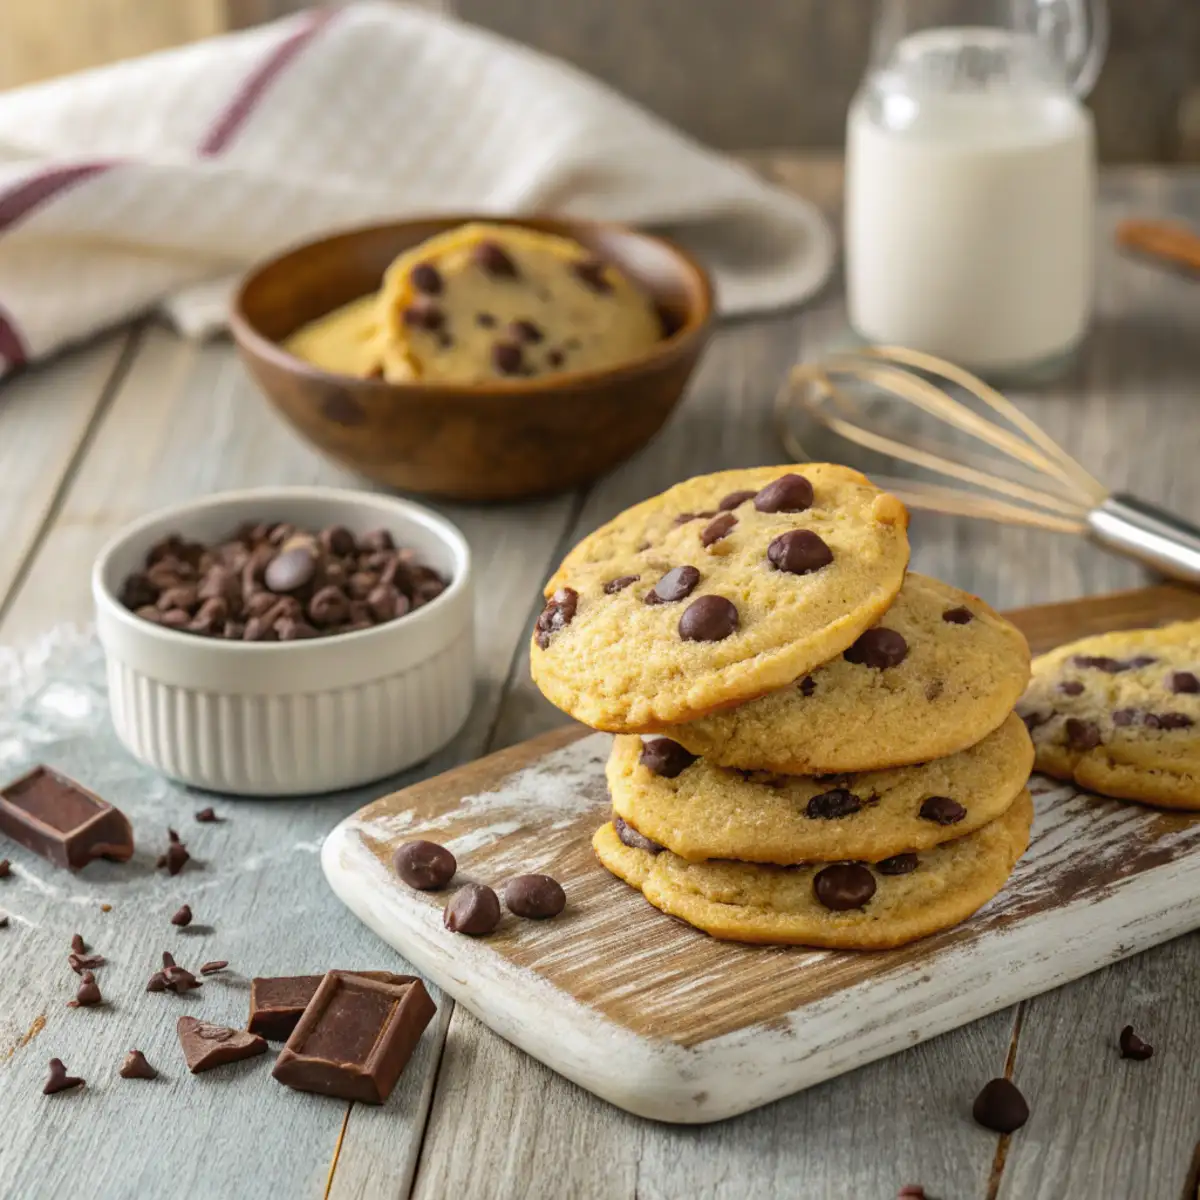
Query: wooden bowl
[(494, 441)]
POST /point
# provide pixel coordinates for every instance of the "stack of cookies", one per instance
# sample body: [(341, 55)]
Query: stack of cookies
[(835, 760)]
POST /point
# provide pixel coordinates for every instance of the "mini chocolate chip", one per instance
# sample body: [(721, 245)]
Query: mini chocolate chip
[(485, 320), (1133, 1046), (211, 968), (590, 272), (958, 616), (833, 805), (664, 757), (1000, 1107), (423, 313), (525, 331), (494, 260), (183, 917), (730, 502), (942, 810), (426, 866), (808, 685), (78, 945), (1183, 682), (1100, 662), (88, 995), (1081, 735), (473, 909), (337, 539), (799, 552), (290, 571), (619, 584), (557, 615), (717, 528), (675, 585), (633, 839), (898, 864), (508, 358), (59, 1080), (1125, 716), (788, 493), (555, 358), (534, 896), (289, 630), (135, 1066), (329, 606), (376, 540), (1167, 720), (878, 648), (843, 886), (708, 619), (427, 278), (1072, 687)]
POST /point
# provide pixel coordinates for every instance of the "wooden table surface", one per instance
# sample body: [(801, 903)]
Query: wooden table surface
[(141, 419)]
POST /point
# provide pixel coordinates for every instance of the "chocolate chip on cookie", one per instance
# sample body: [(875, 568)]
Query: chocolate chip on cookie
[(1071, 687), (557, 615), (427, 278), (717, 528), (942, 810), (708, 619), (508, 358), (833, 805), (1082, 735), (808, 686), (613, 586), (423, 313), (878, 648), (731, 501), (664, 757), (898, 864), (633, 839), (1125, 716), (958, 616), (1167, 720), (788, 493), (843, 886), (525, 331), (1183, 683), (494, 260), (590, 272), (1100, 662), (799, 552), (677, 584)]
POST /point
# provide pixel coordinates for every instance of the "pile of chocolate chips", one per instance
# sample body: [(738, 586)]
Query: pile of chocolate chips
[(278, 583)]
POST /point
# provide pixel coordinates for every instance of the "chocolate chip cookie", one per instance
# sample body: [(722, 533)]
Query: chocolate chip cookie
[(701, 811), (843, 905), (486, 303), (717, 591), (1120, 714), (938, 673)]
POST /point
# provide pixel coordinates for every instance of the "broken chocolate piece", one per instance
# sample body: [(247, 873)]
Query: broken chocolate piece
[(183, 918), (59, 1080), (206, 1046), (135, 1066), (211, 968), (277, 1003), (88, 994)]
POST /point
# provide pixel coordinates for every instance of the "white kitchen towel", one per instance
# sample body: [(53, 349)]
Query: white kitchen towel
[(158, 181)]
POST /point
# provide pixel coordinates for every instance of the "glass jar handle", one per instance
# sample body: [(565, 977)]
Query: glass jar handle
[(1079, 31)]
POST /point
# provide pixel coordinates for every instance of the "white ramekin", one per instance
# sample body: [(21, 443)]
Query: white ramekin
[(288, 718)]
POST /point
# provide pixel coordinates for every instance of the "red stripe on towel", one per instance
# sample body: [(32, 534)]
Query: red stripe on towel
[(30, 194)]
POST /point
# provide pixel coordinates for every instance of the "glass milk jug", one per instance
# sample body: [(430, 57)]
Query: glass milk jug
[(970, 185)]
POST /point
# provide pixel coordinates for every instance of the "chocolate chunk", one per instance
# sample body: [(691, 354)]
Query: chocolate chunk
[(717, 528), (84, 962), (207, 816), (183, 917), (425, 866), (1081, 735), (557, 615), (590, 272), (78, 945), (290, 571), (843, 886), (59, 1080), (878, 648), (157, 982), (1167, 720), (1183, 683), (213, 966), (788, 493), (633, 839), (176, 856), (508, 358), (525, 331), (494, 260), (942, 810), (898, 864), (1100, 662), (337, 540), (1133, 1046), (485, 320), (619, 584), (88, 995), (206, 1046), (278, 1003), (1000, 1107), (355, 1037), (135, 1066), (473, 909), (799, 552), (1071, 687), (4, 921), (708, 619), (534, 896), (427, 278), (675, 585), (5, 868), (808, 686), (1125, 716), (63, 822), (833, 805), (424, 313), (730, 502), (958, 616)]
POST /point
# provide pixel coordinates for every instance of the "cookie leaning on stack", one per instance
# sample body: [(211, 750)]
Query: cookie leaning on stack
[(842, 766)]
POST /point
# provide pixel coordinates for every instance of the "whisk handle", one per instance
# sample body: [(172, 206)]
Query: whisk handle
[(1152, 535)]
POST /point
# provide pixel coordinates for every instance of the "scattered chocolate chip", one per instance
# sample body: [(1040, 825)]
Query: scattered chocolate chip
[(878, 648), (5, 868), (59, 1080), (664, 757), (1183, 683), (176, 856), (157, 982), (78, 945), (958, 616), (590, 272), (525, 331), (135, 1066), (1081, 735), (423, 865), (911, 1191), (183, 918), (84, 962), (179, 980), (942, 810), (427, 278), (1100, 662), (730, 502), (1071, 687), (473, 909), (423, 313), (808, 686), (376, 540), (4, 921), (1000, 1107), (1133, 1046), (88, 994), (708, 619), (674, 586), (211, 968), (799, 552), (290, 571), (494, 260), (633, 839), (843, 886), (788, 493), (207, 816), (485, 320), (337, 540), (833, 805), (717, 528), (898, 864), (557, 615), (534, 896), (619, 584), (508, 358)]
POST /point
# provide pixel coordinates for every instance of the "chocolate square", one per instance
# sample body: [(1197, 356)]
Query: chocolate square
[(278, 1002)]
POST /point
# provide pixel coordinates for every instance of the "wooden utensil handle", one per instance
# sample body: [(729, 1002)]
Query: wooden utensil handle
[(1176, 244)]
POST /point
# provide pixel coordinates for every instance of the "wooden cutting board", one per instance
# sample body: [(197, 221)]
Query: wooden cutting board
[(668, 1023)]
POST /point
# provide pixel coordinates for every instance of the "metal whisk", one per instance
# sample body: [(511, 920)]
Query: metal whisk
[(1023, 478)]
